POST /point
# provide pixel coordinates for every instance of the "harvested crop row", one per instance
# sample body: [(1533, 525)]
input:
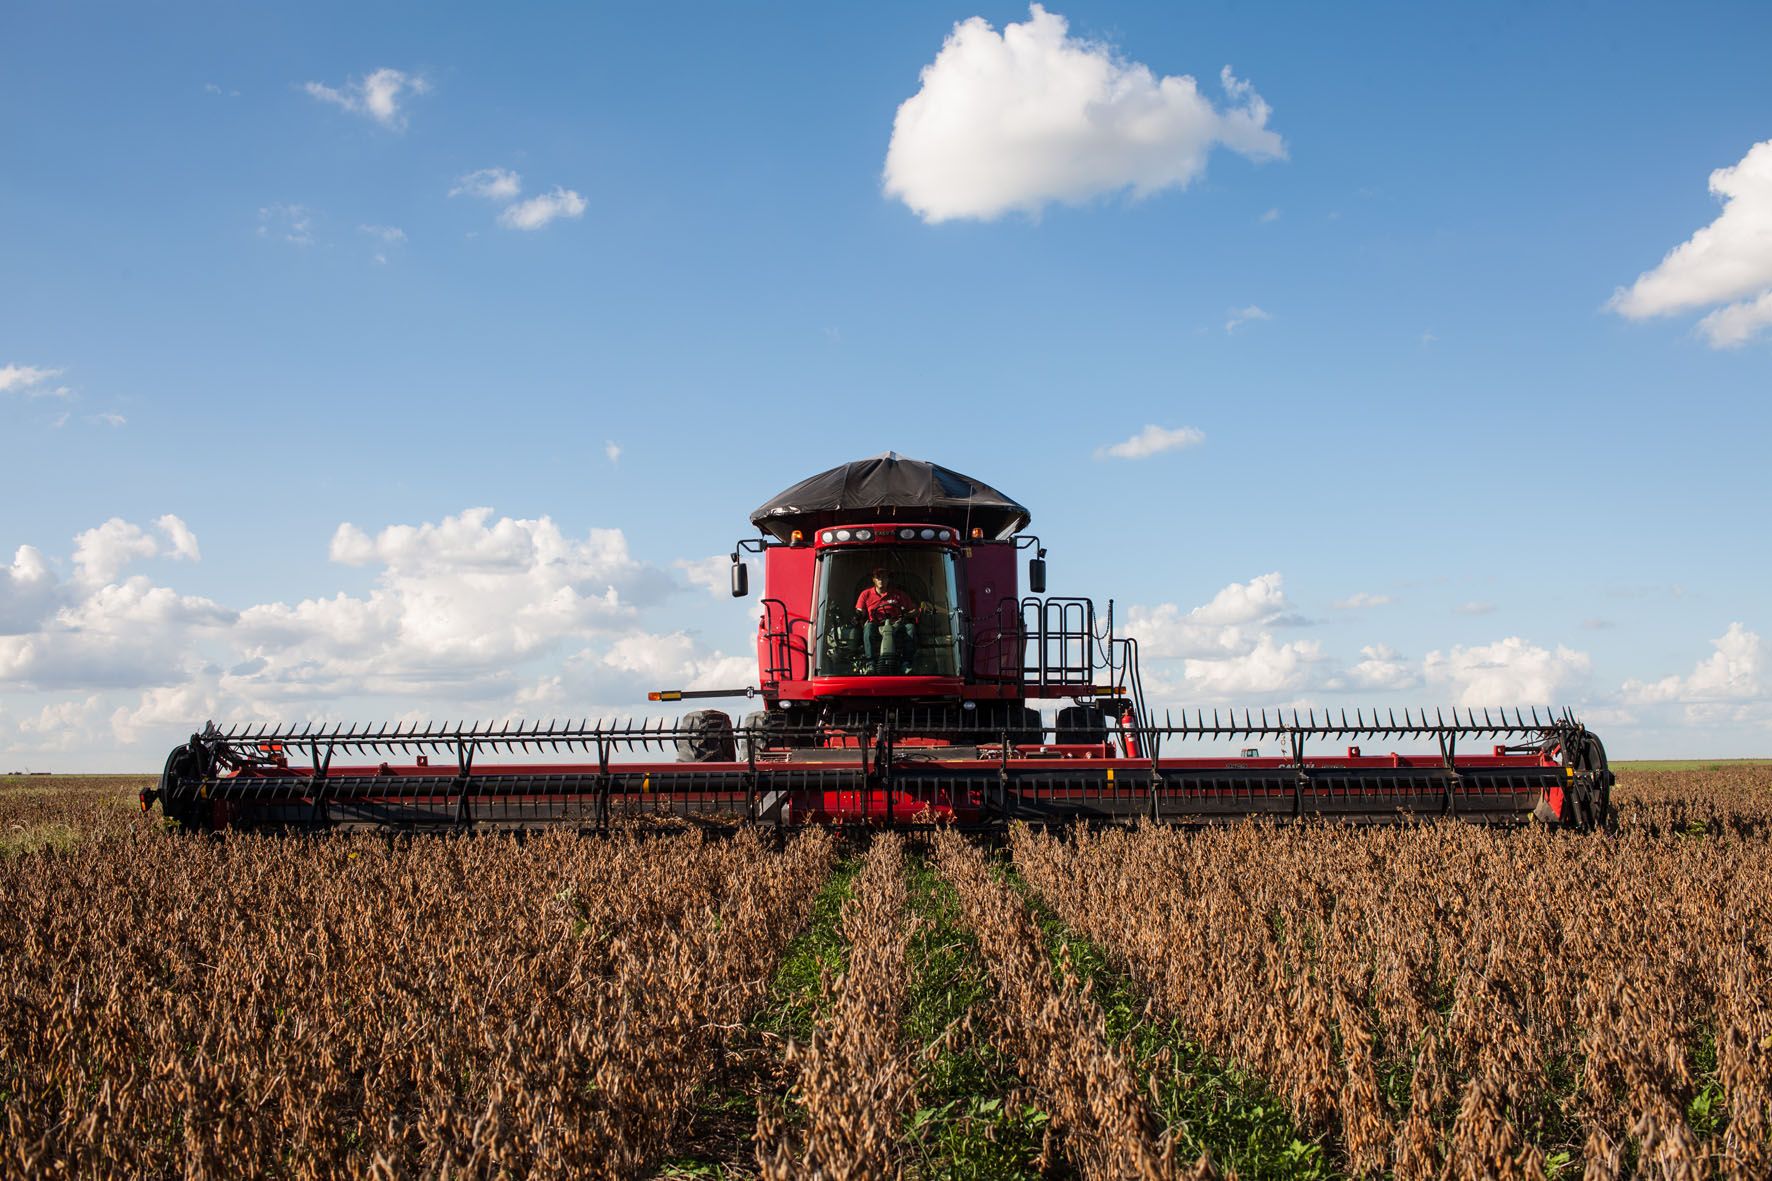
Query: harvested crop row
[(195, 1007), (854, 1079), (975, 1115), (1058, 1035), (1209, 1110), (1447, 998)]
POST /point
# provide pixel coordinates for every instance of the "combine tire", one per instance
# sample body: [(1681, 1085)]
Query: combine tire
[(754, 733), (709, 738), (986, 725), (1080, 725)]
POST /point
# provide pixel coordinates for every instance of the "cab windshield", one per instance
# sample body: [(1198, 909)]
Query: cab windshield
[(886, 611)]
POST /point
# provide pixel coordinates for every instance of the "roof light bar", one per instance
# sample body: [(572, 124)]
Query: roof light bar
[(864, 533)]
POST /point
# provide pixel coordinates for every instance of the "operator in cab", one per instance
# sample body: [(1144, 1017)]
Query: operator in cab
[(888, 625)]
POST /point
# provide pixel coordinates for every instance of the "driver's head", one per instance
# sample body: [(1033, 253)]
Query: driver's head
[(882, 578)]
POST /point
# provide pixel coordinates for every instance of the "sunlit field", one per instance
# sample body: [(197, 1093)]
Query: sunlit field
[(1308, 1001)]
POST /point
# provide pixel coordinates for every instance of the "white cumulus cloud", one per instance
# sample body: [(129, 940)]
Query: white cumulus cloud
[(541, 209), (1247, 315), (101, 553), (1215, 629), (713, 575), (1509, 672), (1260, 599), (60, 725), (491, 184), (1266, 668), (30, 380), (1383, 669), (181, 542), (1152, 440), (1032, 115), (1736, 671), (378, 94), (166, 707), (118, 635), (1728, 262), (27, 591), (455, 601), (472, 615), (675, 661), (1738, 323)]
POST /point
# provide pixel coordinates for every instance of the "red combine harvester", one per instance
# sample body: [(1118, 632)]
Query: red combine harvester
[(897, 659)]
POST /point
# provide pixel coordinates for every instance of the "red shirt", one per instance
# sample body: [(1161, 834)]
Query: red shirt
[(894, 604)]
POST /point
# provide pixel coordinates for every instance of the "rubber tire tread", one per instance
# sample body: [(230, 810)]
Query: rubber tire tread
[(709, 739), (1078, 725)]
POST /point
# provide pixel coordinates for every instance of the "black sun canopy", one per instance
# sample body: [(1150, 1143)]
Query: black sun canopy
[(889, 487)]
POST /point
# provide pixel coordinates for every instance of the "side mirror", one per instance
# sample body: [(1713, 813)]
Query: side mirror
[(741, 578), (1037, 575)]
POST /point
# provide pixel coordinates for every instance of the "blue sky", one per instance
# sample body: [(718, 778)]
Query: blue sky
[(236, 290)]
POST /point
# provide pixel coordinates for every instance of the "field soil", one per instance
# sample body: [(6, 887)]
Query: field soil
[(1428, 1001)]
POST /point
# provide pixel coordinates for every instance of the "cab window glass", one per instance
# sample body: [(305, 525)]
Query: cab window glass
[(908, 625)]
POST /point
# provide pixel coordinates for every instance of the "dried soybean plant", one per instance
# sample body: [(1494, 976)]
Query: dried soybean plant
[(334, 1007), (1056, 1033), (1455, 1001), (854, 1079), (1444, 1000)]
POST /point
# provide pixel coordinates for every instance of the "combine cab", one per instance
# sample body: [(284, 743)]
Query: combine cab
[(900, 670)]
